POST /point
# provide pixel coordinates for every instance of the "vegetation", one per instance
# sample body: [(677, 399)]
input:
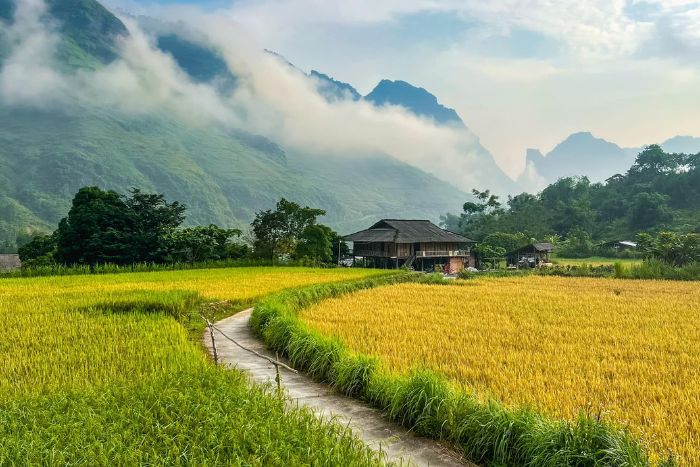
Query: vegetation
[(292, 231), (660, 191), (106, 228), (331, 348), (108, 369)]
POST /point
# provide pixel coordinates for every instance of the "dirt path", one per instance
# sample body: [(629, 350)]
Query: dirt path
[(375, 429)]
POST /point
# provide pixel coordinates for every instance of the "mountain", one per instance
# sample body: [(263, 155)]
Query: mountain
[(682, 144), (334, 90), (584, 154), (88, 31), (223, 175), (579, 154), (417, 100)]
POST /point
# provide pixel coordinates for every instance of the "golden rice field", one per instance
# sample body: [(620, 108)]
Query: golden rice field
[(60, 332), (628, 349)]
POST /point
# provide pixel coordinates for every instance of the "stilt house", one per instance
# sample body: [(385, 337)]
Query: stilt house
[(395, 243)]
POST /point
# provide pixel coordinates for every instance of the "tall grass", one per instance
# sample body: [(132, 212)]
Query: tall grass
[(425, 402)]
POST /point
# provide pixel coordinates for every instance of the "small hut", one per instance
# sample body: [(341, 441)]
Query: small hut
[(9, 262), (530, 256)]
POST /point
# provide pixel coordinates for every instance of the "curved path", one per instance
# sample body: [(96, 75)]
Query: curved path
[(375, 429)]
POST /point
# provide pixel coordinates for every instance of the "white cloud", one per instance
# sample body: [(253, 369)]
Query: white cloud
[(272, 99)]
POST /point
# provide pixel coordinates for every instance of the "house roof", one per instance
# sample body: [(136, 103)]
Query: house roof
[(627, 243), (533, 247), (406, 231)]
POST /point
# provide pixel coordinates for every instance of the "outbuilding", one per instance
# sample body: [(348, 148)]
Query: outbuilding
[(9, 262), (530, 256)]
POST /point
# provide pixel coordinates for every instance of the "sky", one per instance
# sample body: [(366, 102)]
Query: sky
[(521, 73)]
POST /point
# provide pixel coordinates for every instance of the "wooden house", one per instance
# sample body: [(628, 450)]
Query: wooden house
[(395, 243), (9, 262), (530, 256)]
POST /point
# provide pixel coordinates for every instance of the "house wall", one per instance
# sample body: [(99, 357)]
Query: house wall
[(8, 262), (382, 249)]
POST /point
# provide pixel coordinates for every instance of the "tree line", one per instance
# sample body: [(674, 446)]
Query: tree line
[(105, 227), (659, 193)]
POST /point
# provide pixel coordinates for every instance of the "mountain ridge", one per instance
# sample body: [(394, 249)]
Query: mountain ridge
[(583, 154)]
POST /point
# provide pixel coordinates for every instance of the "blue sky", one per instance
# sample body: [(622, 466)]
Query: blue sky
[(520, 73)]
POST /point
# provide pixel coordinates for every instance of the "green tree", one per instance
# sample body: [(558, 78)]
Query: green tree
[(151, 218), (578, 244), (197, 244), (95, 230), (649, 210), (506, 241), (39, 251), (277, 232), (316, 243)]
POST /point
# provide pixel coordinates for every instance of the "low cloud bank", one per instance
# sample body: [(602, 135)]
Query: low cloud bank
[(271, 97)]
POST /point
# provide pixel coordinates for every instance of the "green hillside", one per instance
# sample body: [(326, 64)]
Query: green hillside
[(223, 176)]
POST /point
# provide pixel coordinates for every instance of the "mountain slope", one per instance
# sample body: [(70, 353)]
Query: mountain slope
[(89, 32), (333, 90), (584, 154), (682, 144), (417, 100)]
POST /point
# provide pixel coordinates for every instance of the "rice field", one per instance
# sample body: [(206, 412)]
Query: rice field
[(102, 370), (627, 350)]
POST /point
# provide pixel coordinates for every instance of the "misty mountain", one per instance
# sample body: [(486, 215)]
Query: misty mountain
[(584, 154), (682, 144), (223, 175), (88, 31), (333, 90), (417, 100)]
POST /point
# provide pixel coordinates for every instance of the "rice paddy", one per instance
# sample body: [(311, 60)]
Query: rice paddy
[(101, 370), (627, 350)]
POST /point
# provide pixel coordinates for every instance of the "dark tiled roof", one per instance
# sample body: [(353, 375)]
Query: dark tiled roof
[(406, 231)]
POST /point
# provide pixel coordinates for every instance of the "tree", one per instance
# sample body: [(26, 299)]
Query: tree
[(578, 244), (648, 210), (151, 218), (316, 243), (506, 241), (106, 227), (277, 232), (95, 230), (198, 244), (39, 251)]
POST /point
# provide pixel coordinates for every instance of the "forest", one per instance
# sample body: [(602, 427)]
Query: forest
[(660, 192)]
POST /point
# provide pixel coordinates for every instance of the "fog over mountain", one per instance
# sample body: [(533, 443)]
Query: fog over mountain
[(185, 105)]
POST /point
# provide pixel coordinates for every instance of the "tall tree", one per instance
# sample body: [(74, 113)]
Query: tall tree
[(277, 232), (95, 229), (151, 218)]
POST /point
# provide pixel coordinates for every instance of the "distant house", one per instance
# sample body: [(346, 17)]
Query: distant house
[(9, 262), (620, 245), (395, 243), (530, 256)]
